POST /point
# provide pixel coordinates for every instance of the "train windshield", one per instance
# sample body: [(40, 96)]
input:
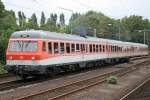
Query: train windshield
[(23, 46)]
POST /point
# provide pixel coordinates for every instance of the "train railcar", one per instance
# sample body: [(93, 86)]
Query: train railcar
[(37, 52)]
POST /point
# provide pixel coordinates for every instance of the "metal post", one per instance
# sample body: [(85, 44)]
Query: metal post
[(94, 32), (144, 37), (71, 26), (119, 30)]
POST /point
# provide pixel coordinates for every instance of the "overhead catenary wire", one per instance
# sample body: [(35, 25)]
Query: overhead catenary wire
[(40, 11), (18, 6), (82, 4)]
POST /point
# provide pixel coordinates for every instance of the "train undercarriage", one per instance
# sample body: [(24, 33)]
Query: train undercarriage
[(25, 71)]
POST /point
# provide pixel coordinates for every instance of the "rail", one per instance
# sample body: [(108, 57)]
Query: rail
[(67, 89)]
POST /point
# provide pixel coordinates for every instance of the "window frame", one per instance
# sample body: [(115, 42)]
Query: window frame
[(56, 48), (60, 49), (90, 48), (43, 46), (69, 48), (96, 48), (51, 47), (73, 49), (77, 47)]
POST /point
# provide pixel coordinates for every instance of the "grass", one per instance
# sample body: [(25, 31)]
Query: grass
[(2, 71), (112, 80)]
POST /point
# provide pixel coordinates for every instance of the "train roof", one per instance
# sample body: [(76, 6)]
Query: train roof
[(63, 36)]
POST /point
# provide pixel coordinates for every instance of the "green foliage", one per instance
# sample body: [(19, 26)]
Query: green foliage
[(22, 20), (32, 23), (43, 19), (133, 23), (93, 20), (2, 71), (7, 26), (112, 80), (2, 8), (62, 20), (3, 46)]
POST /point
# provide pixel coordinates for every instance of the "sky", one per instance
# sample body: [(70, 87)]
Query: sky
[(112, 8)]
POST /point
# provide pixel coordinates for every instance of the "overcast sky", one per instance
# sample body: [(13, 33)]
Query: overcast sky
[(112, 8)]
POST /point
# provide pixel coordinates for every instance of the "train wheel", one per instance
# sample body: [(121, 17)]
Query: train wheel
[(24, 77), (77, 67), (50, 73)]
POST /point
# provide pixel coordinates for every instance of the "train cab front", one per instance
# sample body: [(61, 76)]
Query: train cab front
[(22, 56)]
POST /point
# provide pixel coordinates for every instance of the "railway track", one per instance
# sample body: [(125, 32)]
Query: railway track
[(8, 81), (141, 92), (19, 83), (141, 57), (7, 78), (68, 89), (6, 75)]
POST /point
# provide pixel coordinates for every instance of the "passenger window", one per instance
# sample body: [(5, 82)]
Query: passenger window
[(56, 48), (72, 47), (50, 47), (103, 48), (93, 47), (77, 48), (44, 46), (62, 49), (90, 47), (96, 48), (100, 48), (68, 47)]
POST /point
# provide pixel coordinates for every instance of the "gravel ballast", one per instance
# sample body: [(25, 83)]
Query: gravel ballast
[(107, 91)]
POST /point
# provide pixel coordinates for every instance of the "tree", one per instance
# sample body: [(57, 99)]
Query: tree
[(62, 20), (53, 18), (32, 22), (74, 16), (133, 23), (22, 20), (10, 21), (52, 23), (2, 9), (43, 19), (90, 21)]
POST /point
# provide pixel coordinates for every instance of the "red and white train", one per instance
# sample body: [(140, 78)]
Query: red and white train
[(38, 52)]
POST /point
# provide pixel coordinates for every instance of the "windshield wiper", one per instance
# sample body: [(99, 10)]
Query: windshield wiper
[(19, 44), (27, 44)]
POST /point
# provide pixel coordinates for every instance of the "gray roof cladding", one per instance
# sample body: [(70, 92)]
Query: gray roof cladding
[(63, 36)]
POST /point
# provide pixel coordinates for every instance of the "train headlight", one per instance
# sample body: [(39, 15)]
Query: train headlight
[(10, 57), (33, 58), (21, 57)]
